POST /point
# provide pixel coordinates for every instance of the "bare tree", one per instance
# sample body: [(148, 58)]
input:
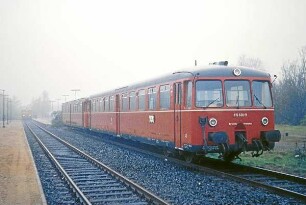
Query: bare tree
[(290, 92), (41, 106), (250, 62)]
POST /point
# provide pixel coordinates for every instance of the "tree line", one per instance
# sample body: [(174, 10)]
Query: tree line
[(290, 92)]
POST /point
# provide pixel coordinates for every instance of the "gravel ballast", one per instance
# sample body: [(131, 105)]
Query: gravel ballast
[(54, 187), (171, 182)]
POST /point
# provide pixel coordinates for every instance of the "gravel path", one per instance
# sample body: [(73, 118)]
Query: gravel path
[(18, 181)]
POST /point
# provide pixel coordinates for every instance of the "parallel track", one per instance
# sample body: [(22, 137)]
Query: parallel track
[(281, 183), (90, 180)]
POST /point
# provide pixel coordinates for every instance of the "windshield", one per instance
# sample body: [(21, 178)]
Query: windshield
[(209, 93), (262, 94), (237, 93)]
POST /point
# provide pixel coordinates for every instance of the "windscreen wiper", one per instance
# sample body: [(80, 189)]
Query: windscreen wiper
[(257, 99), (237, 100), (212, 102)]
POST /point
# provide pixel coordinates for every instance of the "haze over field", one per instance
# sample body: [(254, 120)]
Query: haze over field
[(98, 45)]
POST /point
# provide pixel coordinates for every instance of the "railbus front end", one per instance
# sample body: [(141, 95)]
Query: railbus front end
[(232, 113)]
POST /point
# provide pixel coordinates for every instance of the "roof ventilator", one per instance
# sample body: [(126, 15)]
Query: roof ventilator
[(225, 63)]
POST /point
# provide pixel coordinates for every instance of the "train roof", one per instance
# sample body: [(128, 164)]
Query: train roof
[(208, 71), (75, 101)]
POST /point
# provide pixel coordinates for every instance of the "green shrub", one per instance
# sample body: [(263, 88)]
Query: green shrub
[(303, 121)]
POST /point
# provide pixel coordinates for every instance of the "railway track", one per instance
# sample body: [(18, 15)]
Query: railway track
[(280, 183), (90, 180)]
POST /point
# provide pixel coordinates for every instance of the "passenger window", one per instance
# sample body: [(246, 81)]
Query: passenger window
[(92, 106), (164, 97), (106, 104), (132, 101), (112, 104), (141, 100), (101, 104), (124, 103), (188, 95), (98, 105), (152, 98)]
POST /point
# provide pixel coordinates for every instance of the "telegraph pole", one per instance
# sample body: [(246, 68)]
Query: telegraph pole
[(3, 119), (75, 91), (11, 107), (7, 110), (65, 97), (58, 103), (51, 101)]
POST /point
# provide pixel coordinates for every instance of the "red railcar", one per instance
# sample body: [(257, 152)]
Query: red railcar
[(73, 113), (217, 109)]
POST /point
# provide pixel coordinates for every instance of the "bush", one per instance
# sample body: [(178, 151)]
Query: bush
[(303, 121)]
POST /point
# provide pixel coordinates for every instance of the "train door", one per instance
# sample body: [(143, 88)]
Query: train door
[(117, 111), (89, 107), (70, 110), (87, 114), (83, 114), (178, 114)]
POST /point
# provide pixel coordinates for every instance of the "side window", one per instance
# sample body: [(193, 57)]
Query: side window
[(132, 101), (164, 99), (106, 104), (89, 106), (101, 104), (152, 98), (124, 102), (112, 104), (141, 99), (178, 93), (188, 94), (93, 102), (98, 105)]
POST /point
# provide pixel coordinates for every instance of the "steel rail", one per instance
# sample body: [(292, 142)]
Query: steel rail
[(72, 185), (217, 172), (152, 198), (272, 173)]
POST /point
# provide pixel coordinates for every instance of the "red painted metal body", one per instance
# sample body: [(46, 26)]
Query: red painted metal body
[(176, 126)]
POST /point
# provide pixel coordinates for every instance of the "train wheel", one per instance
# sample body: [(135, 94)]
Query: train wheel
[(230, 156), (167, 152), (189, 157)]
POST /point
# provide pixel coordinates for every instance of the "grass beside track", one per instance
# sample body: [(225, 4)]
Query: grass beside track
[(283, 158)]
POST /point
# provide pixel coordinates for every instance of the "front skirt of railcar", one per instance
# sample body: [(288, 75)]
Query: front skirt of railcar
[(233, 139)]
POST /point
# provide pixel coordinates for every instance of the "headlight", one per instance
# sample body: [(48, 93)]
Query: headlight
[(237, 72), (213, 122), (265, 121)]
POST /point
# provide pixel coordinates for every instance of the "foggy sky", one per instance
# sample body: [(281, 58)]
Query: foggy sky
[(96, 45)]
